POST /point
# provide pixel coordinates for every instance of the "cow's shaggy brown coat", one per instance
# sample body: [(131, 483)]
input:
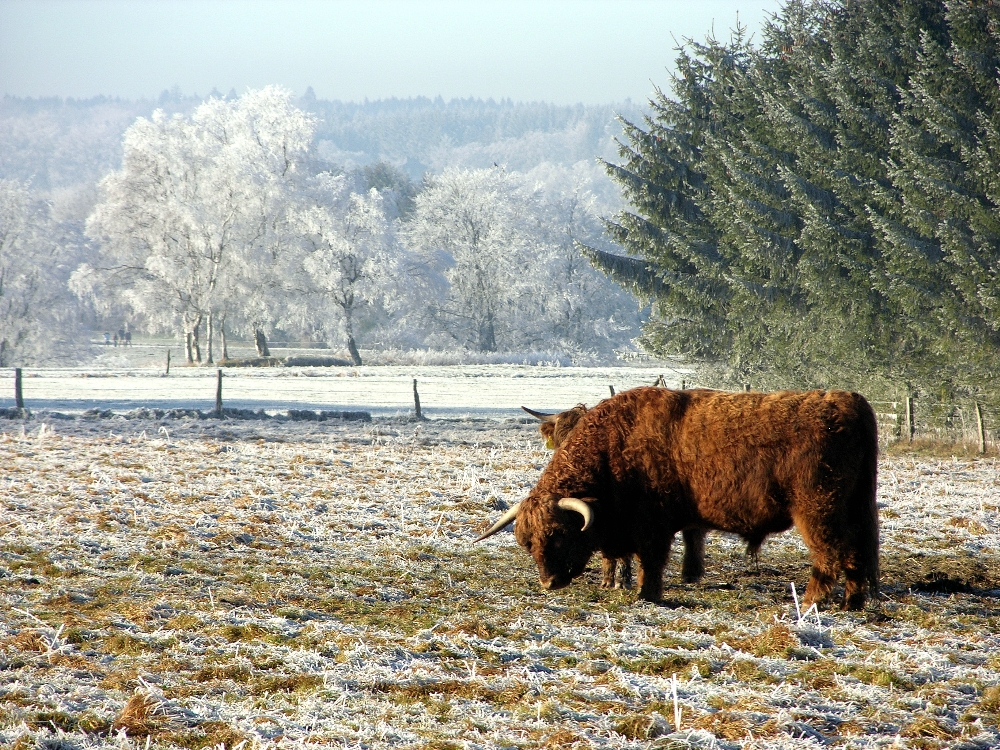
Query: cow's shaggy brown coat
[(650, 462), (617, 572)]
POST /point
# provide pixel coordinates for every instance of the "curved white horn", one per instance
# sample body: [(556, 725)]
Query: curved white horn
[(503, 521), (578, 505), (539, 415)]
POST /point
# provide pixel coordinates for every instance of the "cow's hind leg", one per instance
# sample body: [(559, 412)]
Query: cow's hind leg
[(694, 555), (823, 548), (855, 588), (821, 582), (859, 556)]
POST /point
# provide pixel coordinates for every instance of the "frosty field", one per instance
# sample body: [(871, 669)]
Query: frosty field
[(273, 583)]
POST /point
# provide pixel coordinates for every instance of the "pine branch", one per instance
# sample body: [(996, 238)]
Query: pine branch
[(634, 274)]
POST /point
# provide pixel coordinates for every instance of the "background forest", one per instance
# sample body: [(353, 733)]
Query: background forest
[(817, 206), (397, 224)]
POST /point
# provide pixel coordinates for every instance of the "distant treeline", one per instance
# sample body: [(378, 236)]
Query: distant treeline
[(58, 143)]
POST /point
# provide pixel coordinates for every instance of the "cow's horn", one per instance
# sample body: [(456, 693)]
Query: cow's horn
[(578, 505), (542, 416), (503, 521)]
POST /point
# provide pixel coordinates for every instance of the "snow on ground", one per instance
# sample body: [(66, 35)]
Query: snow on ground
[(194, 582)]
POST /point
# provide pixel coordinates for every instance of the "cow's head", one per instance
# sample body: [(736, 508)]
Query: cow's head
[(557, 532), (556, 427)]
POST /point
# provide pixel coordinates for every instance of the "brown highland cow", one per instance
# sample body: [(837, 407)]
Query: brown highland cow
[(617, 572), (649, 462)]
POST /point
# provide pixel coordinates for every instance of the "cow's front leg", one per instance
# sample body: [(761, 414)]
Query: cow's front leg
[(623, 574), (694, 555), (609, 566), (652, 561)]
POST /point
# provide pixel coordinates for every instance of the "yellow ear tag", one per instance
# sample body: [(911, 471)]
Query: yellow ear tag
[(549, 444)]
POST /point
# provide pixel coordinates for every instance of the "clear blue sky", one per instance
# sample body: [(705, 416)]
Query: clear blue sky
[(562, 51)]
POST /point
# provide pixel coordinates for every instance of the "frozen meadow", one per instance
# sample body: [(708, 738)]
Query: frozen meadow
[(188, 582)]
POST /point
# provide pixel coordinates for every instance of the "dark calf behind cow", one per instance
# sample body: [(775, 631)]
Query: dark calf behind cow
[(650, 462), (617, 572)]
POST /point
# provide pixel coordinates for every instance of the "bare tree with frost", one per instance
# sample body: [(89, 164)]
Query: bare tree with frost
[(188, 225), (515, 278), (581, 309), (30, 288), (472, 225), (346, 238)]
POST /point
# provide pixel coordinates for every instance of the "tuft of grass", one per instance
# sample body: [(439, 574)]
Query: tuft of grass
[(989, 701), (637, 727), (294, 683), (53, 720), (661, 666), (926, 726), (183, 622), (235, 672), (726, 725), (138, 717), (31, 641), (244, 633), (91, 723), (423, 692), (777, 641), (125, 645), (210, 734)]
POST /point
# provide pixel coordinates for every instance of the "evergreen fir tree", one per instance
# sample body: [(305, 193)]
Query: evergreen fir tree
[(818, 210)]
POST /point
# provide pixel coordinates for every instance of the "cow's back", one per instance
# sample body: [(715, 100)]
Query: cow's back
[(737, 460)]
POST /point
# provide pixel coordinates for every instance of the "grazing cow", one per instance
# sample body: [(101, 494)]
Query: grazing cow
[(617, 572), (649, 462)]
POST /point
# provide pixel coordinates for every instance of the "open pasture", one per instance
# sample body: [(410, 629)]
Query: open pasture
[(268, 583)]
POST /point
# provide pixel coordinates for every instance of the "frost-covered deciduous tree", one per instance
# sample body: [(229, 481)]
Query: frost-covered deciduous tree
[(30, 288), (188, 226), (473, 225), (581, 309), (345, 241), (515, 277)]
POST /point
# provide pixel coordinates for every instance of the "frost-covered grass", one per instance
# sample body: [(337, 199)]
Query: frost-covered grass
[(197, 583)]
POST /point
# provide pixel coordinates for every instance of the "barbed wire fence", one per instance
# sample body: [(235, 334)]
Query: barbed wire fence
[(974, 423)]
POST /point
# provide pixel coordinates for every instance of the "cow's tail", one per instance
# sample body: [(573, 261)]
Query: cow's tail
[(865, 503)]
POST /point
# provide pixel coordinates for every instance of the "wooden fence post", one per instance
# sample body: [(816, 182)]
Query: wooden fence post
[(980, 428), (746, 387), (218, 393), (683, 384), (168, 361), (910, 427), (612, 389), (416, 401), (18, 393)]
